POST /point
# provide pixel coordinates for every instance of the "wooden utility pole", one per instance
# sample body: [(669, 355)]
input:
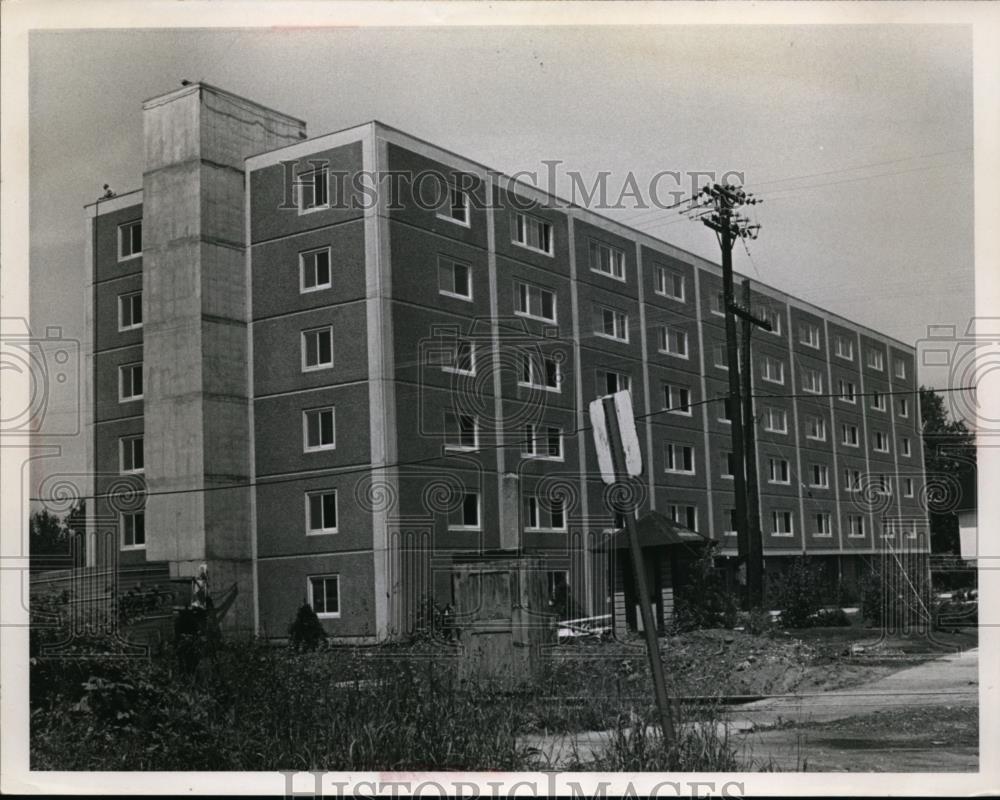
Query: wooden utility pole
[(755, 554)]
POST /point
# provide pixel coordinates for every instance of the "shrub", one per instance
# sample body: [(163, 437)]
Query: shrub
[(895, 595), (702, 599), (306, 632), (797, 592)]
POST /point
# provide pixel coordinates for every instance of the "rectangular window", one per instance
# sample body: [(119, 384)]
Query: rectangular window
[(775, 420), (815, 428), (855, 525), (467, 516), (727, 411), (687, 516), (899, 369), (546, 515), (673, 341), (852, 480), (547, 375), (904, 407), (613, 324), (812, 381), (130, 382), (314, 190), (454, 279), (314, 270), (819, 477), (461, 431), (463, 359), (809, 335), (535, 302), (884, 485), (907, 487), (781, 523), (773, 317), (607, 260), (773, 370), (321, 512), (680, 458), (729, 467), (617, 382), (847, 391), (133, 531), (129, 311), (876, 360), (849, 435), (720, 356), (878, 401), (718, 304), (670, 284), (844, 348), (778, 471), (822, 526), (542, 441), (317, 349), (532, 233), (318, 429), (457, 208), (324, 595), (131, 454), (677, 399), (729, 516), (130, 240), (881, 442), (904, 444)]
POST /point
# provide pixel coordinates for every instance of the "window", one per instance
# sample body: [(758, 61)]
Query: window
[(680, 458), (876, 359), (129, 311), (773, 370), (461, 432), (317, 349), (904, 407), (773, 317), (821, 525), (130, 453), (321, 512), (612, 324), (457, 209), (844, 348), (670, 284), (727, 411), (775, 420), (812, 381), (546, 515), (884, 485), (130, 382), (849, 435), (543, 441), (535, 302), (467, 517), (809, 335), (729, 516), (324, 596), (907, 487), (314, 270), (133, 530), (454, 279), (878, 401), (130, 240), (677, 399), (881, 442), (684, 515), (819, 476), (852, 480), (720, 356), (533, 233), (904, 443), (778, 471), (318, 429), (617, 382), (855, 525), (899, 369), (847, 391), (781, 523), (463, 359), (729, 468), (547, 375), (673, 341), (607, 260), (815, 428), (314, 191), (719, 304)]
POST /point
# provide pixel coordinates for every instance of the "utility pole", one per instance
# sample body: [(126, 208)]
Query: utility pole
[(729, 226), (755, 554)]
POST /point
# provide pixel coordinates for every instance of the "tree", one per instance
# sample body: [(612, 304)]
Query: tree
[(49, 544), (949, 456)]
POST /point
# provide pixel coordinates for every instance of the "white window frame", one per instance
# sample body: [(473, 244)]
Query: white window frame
[(619, 324), (323, 531), (680, 408), (535, 509), (124, 442), (717, 305), (309, 176), (466, 219), (521, 221), (539, 449), (723, 418), (840, 351), (680, 335), (823, 525), (809, 340), (770, 414), (884, 448), (671, 452), (122, 397), (844, 396), (616, 260), (534, 376), (662, 275), (727, 516), (306, 447), (620, 377), (767, 365), (821, 427), (907, 487), (822, 481), (462, 526), (321, 365), (122, 527), (674, 512), (783, 515), (122, 298), (719, 356), (455, 370), (728, 474), (852, 480), (844, 428), (812, 381), (904, 408), (878, 401), (449, 264), (318, 287), (772, 316), (875, 360), (312, 598), (456, 418), (905, 447), (773, 474), (121, 230), (851, 519), (530, 293), (899, 369)]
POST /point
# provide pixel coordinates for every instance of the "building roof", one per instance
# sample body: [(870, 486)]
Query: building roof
[(657, 530)]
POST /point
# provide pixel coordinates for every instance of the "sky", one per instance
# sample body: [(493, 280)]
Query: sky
[(858, 139)]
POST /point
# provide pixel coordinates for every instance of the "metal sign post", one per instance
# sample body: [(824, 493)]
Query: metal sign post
[(620, 459)]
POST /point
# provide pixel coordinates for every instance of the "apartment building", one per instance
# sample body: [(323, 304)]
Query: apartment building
[(324, 366)]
